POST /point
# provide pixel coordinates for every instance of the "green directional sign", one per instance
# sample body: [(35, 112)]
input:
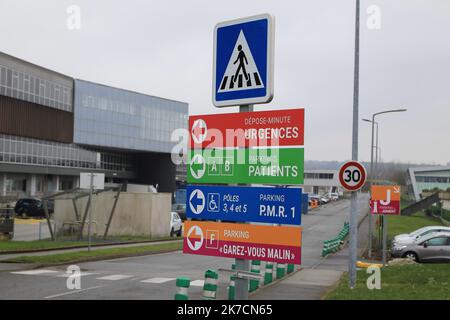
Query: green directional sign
[(258, 165)]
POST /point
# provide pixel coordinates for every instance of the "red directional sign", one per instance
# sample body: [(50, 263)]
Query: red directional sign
[(352, 175), (247, 129)]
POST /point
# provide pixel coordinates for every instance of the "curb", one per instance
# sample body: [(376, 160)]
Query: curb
[(93, 259), (334, 286), (84, 246), (274, 282)]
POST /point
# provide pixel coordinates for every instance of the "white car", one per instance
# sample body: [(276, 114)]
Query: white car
[(176, 225), (324, 199), (333, 196), (408, 238)]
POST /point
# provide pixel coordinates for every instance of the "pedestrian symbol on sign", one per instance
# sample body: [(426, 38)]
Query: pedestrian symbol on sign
[(242, 62), (241, 72)]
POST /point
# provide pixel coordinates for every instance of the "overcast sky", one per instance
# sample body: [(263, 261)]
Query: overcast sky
[(164, 48)]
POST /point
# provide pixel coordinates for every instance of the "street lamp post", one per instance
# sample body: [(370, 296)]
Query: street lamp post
[(371, 178), (353, 246), (379, 159), (371, 165), (374, 146)]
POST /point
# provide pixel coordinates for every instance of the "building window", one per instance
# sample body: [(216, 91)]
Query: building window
[(15, 149), (26, 87), (66, 183), (16, 183)]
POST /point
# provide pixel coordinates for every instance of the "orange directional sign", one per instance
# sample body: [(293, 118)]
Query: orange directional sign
[(385, 200), (243, 241)]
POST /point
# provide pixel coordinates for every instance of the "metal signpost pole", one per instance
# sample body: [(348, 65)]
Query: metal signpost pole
[(354, 197), (374, 145), (91, 186), (384, 239), (241, 284), (376, 152), (372, 172), (371, 182)]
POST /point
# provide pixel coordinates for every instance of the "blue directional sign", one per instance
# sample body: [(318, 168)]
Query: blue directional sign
[(244, 204), (243, 61)]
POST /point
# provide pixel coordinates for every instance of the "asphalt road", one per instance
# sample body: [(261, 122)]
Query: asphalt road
[(153, 276)]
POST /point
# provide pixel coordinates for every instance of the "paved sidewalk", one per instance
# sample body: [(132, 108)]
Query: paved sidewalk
[(312, 283)]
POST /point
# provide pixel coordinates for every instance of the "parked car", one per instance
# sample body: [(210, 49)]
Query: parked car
[(433, 247), (176, 225), (333, 196), (32, 207), (408, 238), (317, 197), (180, 208), (324, 199)]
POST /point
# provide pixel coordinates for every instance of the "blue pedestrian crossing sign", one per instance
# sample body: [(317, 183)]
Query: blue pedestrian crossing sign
[(243, 61)]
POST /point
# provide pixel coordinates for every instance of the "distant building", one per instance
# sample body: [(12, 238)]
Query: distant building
[(321, 181), (427, 178), (53, 127)]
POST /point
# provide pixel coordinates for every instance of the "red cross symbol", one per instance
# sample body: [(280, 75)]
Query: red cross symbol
[(199, 131)]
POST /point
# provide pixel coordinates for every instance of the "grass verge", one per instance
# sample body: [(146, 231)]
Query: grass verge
[(47, 244), (7, 246), (100, 254), (410, 282)]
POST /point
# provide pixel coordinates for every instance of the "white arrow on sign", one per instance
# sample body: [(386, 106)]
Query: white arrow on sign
[(195, 244), (197, 159), (197, 201)]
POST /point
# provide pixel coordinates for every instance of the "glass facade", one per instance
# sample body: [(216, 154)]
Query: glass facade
[(29, 151), (27, 87), (125, 134), (111, 117), (433, 179)]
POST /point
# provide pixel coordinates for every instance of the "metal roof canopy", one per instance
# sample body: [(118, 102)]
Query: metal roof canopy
[(74, 195)]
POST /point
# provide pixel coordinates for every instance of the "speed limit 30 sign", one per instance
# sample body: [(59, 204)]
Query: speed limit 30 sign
[(352, 175)]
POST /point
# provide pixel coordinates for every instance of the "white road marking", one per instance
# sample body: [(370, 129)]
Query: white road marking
[(197, 283), (157, 280), (115, 277), (71, 292), (66, 275), (34, 272)]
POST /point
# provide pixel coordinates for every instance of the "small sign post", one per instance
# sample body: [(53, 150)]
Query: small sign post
[(385, 200), (352, 176), (243, 75), (241, 149), (91, 181)]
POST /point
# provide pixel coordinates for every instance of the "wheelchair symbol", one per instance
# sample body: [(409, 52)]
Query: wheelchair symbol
[(213, 202)]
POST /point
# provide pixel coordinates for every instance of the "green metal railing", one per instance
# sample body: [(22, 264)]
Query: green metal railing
[(334, 245)]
